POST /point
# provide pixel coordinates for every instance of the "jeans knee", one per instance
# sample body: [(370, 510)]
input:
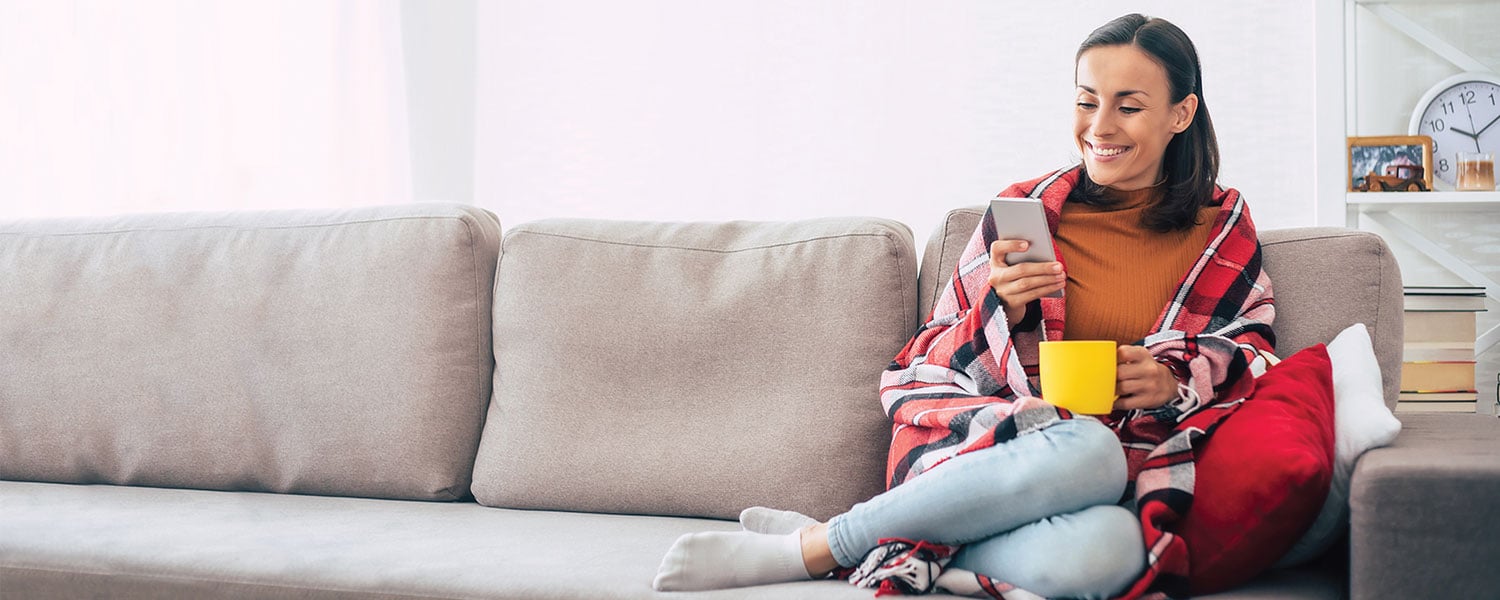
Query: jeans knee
[(1113, 558), (1100, 459), (1120, 555)]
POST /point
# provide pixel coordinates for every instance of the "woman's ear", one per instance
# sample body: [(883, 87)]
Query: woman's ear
[(1183, 112)]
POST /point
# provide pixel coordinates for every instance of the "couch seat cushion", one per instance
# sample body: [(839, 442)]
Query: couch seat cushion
[(1303, 583), (75, 541), (1423, 511)]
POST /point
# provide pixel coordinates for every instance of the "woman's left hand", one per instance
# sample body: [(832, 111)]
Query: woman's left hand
[(1140, 381)]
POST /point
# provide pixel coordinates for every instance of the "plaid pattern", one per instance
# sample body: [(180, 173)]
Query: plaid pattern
[(899, 566), (966, 382)]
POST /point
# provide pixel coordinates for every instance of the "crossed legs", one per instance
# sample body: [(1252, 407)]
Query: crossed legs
[(1037, 512)]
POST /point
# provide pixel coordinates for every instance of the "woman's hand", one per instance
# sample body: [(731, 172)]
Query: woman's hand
[(1018, 285), (1140, 381)]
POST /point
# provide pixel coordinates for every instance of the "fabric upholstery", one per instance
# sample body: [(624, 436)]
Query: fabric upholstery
[(694, 369), (331, 352), (1328, 278), (1324, 279), (941, 254), (128, 543), (1422, 511), (1262, 475), (125, 543), (1297, 584)]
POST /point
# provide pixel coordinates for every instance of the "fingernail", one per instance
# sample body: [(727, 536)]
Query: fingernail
[(1056, 268), (1025, 245)]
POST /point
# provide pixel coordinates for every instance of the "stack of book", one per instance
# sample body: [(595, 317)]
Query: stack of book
[(1437, 368)]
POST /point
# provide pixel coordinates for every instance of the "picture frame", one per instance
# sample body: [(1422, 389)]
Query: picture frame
[(1392, 163)]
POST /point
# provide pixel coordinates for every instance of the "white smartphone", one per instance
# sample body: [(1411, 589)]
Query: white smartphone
[(1024, 219)]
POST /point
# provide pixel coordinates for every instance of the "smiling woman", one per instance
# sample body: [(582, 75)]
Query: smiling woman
[(991, 487)]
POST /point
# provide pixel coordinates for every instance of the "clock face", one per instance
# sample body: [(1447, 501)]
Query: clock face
[(1461, 114)]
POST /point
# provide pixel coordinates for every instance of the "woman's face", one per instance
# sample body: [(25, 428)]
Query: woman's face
[(1125, 116)]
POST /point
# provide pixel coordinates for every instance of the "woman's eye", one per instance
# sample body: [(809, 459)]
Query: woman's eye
[(1087, 105), (1129, 110)]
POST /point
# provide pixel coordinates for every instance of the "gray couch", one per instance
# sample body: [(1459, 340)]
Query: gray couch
[(299, 404)]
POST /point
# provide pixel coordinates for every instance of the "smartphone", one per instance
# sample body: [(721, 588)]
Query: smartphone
[(1024, 219)]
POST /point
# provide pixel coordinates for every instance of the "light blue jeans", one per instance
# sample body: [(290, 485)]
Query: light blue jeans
[(1038, 512)]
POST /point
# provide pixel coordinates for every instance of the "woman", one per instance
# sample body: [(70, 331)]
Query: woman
[(994, 488)]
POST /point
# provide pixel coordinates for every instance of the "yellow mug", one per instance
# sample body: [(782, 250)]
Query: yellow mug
[(1079, 375)]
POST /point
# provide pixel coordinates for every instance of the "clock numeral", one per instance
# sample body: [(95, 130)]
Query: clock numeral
[(1443, 165), (1492, 99), (1467, 96), (1437, 125), (1447, 108)]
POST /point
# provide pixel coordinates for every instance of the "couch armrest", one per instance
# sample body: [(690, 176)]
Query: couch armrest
[(1425, 511)]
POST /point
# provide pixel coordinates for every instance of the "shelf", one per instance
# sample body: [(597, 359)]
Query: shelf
[(1369, 2), (1377, 201)]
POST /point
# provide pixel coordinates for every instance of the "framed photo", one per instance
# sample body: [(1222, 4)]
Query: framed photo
[(1396, 163)]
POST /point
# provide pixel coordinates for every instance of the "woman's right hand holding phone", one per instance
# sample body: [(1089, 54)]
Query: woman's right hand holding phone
[(1022, 283)]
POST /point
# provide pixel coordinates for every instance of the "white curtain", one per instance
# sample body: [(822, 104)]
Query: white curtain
[(148, 105)]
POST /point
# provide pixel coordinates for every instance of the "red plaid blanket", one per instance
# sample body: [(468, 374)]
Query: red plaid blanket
[(965, 382)]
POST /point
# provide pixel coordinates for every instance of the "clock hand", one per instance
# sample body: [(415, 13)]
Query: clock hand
[(1486, 126), (1471, 126), (1465, 133)]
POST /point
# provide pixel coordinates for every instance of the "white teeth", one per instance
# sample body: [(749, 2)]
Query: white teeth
[(1108, 152)]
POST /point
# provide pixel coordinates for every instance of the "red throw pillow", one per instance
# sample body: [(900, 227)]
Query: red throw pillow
[(1262, 475)]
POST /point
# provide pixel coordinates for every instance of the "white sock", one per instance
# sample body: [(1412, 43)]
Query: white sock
[(714, 560), (776, 522)]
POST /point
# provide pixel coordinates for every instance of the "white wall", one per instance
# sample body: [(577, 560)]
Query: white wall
[(153, 105), (782, 109), (437, 42)]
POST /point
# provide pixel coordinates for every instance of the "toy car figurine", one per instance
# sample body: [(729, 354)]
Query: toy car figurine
[(1396, 178)]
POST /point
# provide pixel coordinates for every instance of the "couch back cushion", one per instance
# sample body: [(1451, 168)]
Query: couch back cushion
[(324, 352), (694, 369), (1324, 279)]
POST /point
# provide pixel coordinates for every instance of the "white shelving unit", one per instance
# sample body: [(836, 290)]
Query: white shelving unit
[(1400, 48), (1338, 91), (1367, 202)]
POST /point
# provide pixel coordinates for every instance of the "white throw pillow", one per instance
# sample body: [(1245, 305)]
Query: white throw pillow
[(1361, 421)]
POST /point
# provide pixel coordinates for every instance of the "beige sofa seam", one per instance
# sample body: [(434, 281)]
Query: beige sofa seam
[(1323, 236), (514, 233), (451, 491), (905, 279)]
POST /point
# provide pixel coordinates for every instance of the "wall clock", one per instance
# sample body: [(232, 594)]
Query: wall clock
[(1461, 114)]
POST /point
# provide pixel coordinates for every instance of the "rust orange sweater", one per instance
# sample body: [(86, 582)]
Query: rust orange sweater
[(1120, 274)]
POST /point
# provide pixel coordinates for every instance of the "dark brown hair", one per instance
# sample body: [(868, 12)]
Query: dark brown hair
[(1191, 161)]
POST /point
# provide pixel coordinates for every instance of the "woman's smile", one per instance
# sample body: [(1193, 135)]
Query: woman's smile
[(1106, 152)]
